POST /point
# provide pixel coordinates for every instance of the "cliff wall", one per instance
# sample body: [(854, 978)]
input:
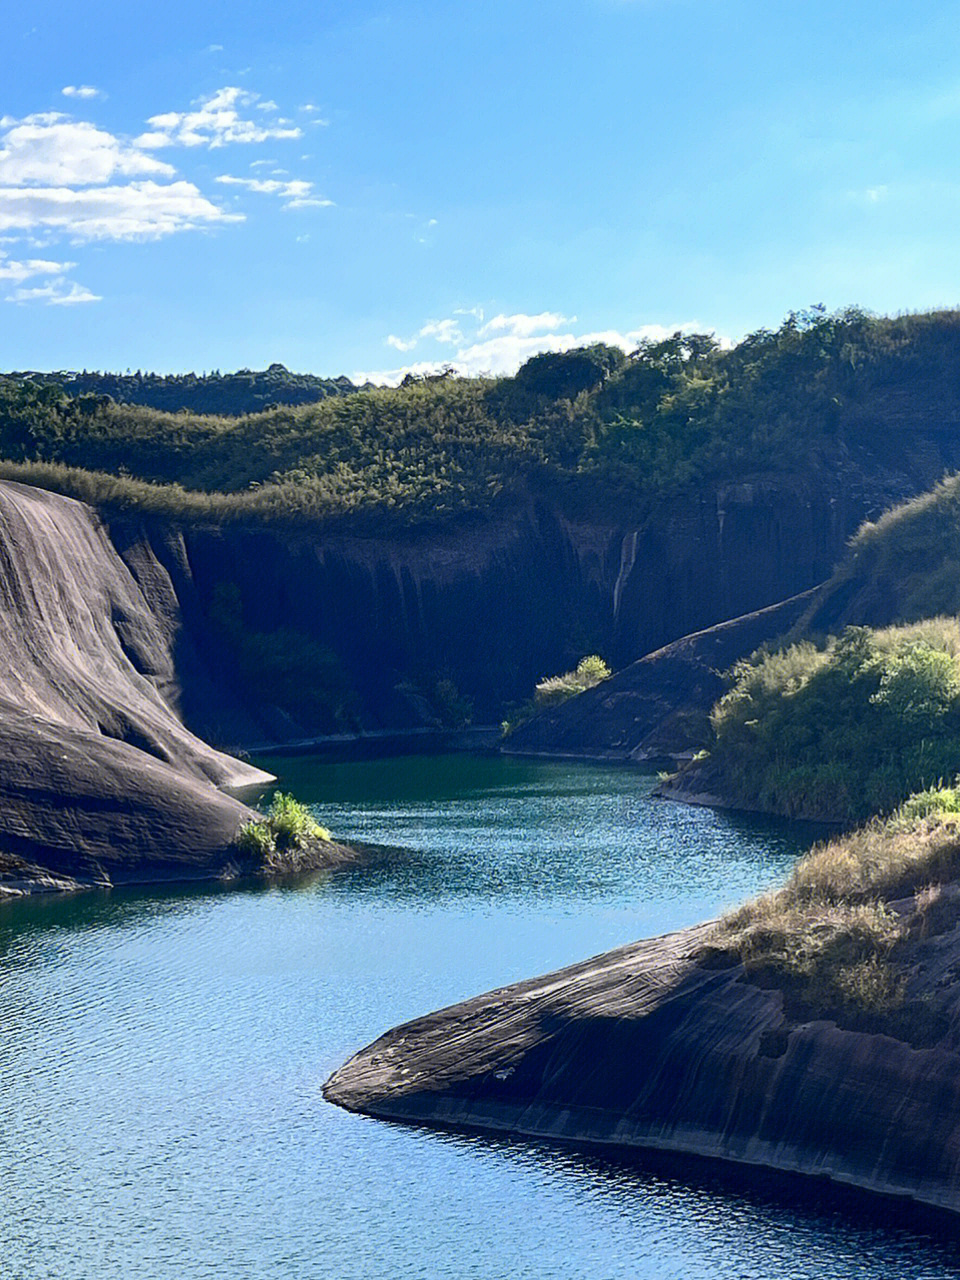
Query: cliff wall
[(100, 782), (491, 605)]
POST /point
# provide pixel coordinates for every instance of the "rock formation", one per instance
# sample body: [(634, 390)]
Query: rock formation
[(494, 604), (100, 782), (649, 1047), (658, 706)]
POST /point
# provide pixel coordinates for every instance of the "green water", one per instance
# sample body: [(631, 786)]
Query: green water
[(162, 1055)]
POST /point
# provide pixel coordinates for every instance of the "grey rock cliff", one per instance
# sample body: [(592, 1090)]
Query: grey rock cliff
[(100, 782), (645, 1047)]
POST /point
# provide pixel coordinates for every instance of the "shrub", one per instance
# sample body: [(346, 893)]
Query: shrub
[(287, 825), (292, 824), (554, 690), (843, 730), (255, 839)]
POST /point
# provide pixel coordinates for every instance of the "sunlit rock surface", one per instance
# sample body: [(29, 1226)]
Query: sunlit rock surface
[(644, 1047), (100, 782)]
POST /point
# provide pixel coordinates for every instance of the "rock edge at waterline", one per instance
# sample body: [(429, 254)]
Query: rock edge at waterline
[(647, 1047)]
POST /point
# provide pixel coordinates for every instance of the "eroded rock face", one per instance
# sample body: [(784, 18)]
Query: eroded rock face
[(659, 705), (495, 605), (647, 1047), (100, 782)]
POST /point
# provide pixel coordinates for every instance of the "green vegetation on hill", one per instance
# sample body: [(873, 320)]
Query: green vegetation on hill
[(245, 391), (843, 730), (907, 563), (591, 427)]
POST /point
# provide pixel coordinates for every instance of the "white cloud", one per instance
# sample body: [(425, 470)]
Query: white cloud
[(82, 91), (522, 325), (134, 211), (501, 345), (17, 272), (295, 193), (268, 105), (215, 123), (447, 331), (214, 48), (51, 149), (401, 344), (58, 293)]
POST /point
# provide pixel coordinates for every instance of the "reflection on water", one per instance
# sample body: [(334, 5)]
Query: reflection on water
[(162, 1054)]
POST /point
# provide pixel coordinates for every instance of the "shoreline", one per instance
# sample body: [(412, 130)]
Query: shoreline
[(646, 1048)]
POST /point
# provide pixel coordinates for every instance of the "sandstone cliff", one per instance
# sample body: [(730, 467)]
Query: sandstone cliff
[(100, 782), (647, 1047)]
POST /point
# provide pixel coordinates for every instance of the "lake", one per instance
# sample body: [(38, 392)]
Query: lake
[(162, 1053)]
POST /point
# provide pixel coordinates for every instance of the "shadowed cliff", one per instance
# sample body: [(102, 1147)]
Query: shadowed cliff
[(100, 782)]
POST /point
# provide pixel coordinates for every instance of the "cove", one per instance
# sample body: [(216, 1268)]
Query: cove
[(162, 1054)]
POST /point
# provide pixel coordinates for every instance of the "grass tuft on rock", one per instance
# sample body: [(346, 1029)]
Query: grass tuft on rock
[(836, 937), (288, 825)]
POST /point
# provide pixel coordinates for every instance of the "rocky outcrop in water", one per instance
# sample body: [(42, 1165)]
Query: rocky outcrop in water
[(100, 782), (658, 706), (648, 1047)]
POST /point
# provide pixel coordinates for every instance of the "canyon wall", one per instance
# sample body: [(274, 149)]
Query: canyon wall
[(492, 605)]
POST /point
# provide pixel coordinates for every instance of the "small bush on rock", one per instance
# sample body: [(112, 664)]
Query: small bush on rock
[(287, 825)]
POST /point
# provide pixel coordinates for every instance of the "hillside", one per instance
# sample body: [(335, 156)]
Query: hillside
[(841, 397), (339, 564), (223, 394)]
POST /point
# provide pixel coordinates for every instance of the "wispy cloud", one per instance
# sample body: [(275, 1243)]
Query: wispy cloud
[(523, 326), (502, 344), (295, 193), (133, 211), (216, 121), (18, 271), (82, 91), (58, 293)]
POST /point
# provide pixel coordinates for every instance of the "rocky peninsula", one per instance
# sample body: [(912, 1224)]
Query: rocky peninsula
[(659, 1045)]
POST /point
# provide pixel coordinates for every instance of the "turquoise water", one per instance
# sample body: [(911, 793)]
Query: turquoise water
[(162, 1055)]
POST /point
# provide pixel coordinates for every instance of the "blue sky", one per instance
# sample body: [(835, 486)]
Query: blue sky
[(365, 187)]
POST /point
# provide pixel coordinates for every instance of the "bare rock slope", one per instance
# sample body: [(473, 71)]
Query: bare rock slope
[(659, 705), (100, 782), (647, 1047)]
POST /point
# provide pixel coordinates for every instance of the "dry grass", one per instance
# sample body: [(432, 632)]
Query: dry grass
[(833, 937)]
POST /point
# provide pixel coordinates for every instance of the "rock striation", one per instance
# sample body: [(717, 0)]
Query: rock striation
[(650, 1047), (100, 782), (659, 705), (495, 603)]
